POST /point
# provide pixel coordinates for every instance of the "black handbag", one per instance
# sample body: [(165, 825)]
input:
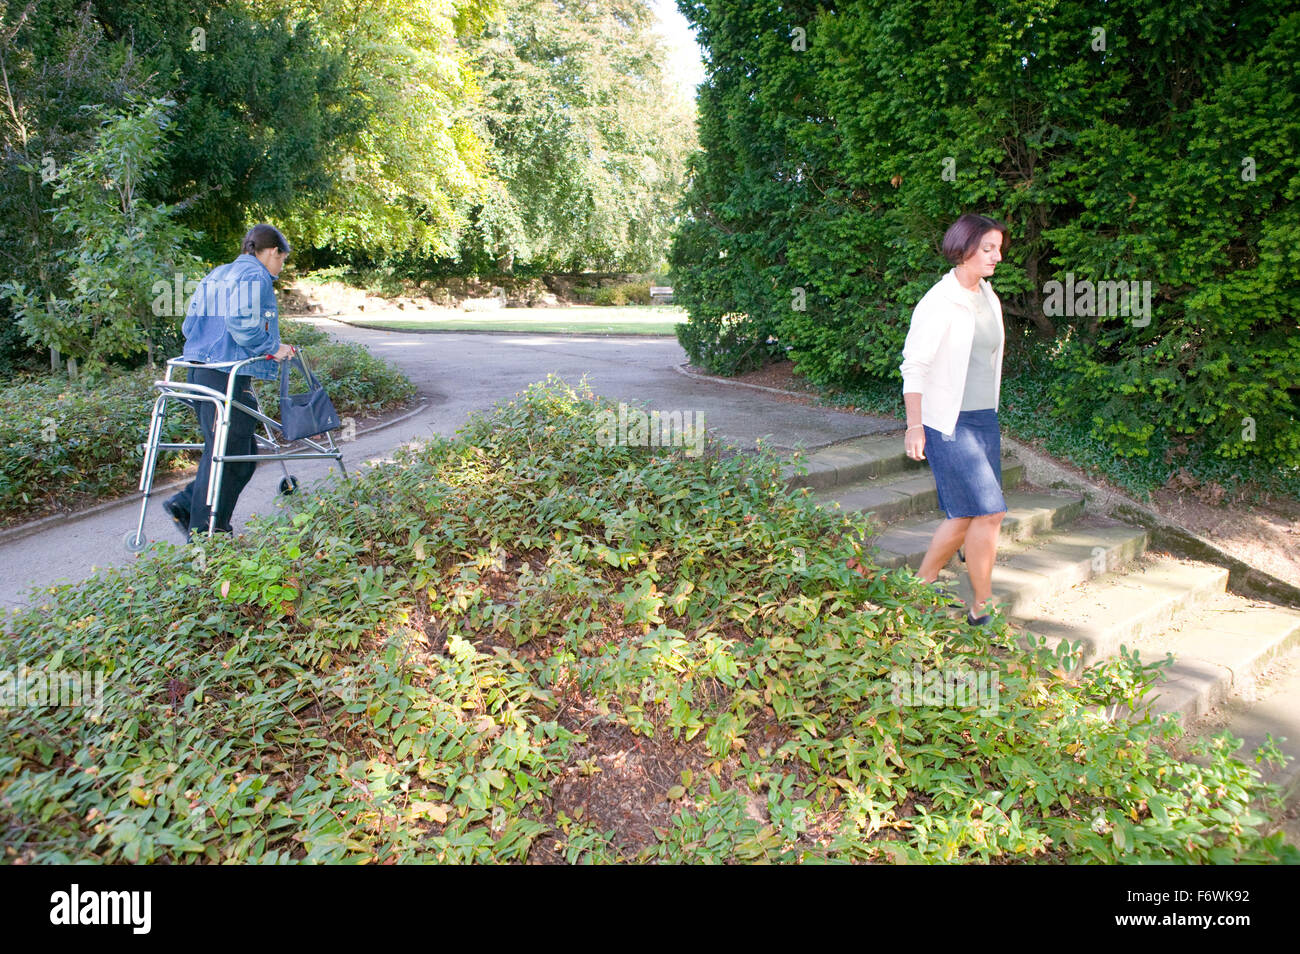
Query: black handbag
[(305, 415)]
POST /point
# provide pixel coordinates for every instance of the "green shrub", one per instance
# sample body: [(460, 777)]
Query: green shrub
[(625, 293), (123, 243), (384, 282), (300, 334), (1029, 412), (358, 382), (61, 442), (726, 343), (407, 667)]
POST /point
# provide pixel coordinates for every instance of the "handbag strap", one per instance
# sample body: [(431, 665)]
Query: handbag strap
[(312, 383)]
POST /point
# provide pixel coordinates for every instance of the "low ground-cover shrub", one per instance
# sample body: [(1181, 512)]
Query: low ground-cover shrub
[(523, 644), (302, 335), (64, 443)]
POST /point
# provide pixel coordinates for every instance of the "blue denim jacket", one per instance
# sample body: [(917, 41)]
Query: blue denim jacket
[(233, 316)]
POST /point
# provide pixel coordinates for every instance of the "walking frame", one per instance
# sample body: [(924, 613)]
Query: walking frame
[(224, 405)]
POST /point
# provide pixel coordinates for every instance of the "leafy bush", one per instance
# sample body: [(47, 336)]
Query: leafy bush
[(727, 343), (300, 334), (440, 661), (838, 147), (384, 282), (617, 294), (123, 244), (54, 60), (356, 380), (62, 442), (625, 293)]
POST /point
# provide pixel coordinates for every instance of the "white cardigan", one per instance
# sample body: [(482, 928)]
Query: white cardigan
[(936, 353)]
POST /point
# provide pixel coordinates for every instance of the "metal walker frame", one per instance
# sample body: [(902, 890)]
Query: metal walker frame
[(224, 405)]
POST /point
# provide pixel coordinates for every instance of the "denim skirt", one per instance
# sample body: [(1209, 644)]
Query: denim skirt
[(967, 466)]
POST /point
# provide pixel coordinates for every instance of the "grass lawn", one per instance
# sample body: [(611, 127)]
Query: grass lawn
[(572, 319)]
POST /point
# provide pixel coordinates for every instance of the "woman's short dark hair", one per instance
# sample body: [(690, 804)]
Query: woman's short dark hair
[(963, 236), (261, 237)]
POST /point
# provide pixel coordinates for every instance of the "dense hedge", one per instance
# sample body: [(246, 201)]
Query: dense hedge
[(830, 173), (523, 644), (63, 443)]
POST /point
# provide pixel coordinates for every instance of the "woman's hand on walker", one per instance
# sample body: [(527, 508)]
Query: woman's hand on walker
[(284, 351), (914, 443)]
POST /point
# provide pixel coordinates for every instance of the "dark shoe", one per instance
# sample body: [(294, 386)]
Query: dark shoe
[(961, 554), (973, 620), (180, 516), (953, 599)]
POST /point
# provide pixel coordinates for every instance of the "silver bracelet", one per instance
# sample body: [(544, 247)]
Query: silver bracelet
[(916, 425)]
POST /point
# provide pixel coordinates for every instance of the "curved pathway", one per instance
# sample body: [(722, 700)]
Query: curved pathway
[(456, 374)]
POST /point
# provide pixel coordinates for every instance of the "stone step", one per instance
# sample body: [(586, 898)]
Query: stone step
[(848, 462), (1122, 607), (1032, 568), (1267, 704), (1063, 574), (896, 496), (1218, 650)]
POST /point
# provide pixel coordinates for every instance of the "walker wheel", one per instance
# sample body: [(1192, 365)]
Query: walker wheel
[(288, 485), (134, 544)]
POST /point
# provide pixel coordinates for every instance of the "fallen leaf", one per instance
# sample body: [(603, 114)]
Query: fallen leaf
[(430, 810)]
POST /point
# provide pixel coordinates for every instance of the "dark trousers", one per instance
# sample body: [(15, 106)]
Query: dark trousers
[(235, 474)]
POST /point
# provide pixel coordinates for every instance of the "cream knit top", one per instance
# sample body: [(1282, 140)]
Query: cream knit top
[(981, 389)]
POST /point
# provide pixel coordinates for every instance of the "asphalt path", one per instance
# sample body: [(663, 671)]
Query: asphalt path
[(456, 374)]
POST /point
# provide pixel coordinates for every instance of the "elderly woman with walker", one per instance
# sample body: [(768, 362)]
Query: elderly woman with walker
[(231, 317), (952, 377), (232, 335)]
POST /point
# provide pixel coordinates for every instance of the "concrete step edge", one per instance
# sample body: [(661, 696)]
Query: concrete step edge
[(1026, 511), (1205, 674), (1277, 712), (1138, 611), (895, 497), (1027, 570), (849, 461)]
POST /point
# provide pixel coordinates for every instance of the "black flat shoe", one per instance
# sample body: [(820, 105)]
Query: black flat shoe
[(973, 620), (961, 554), (180, 516), (953, 600)]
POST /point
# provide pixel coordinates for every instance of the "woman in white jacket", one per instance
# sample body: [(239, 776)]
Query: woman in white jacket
[(952, 378)]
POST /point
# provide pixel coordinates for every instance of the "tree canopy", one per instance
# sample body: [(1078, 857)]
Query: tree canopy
[(588, 139), (442, 135)]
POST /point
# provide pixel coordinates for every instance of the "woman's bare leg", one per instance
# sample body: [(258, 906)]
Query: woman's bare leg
[(981, 550), (946, 541)]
